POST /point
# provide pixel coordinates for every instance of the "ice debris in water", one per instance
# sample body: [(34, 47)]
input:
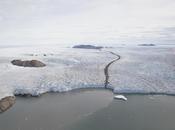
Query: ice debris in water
[(120, 97)]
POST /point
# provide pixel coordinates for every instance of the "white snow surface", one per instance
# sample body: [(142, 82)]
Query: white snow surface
[(66, 69), (140, 70), (144, 70)]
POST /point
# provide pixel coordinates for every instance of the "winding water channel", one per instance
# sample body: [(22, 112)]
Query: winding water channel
[(106, 69)]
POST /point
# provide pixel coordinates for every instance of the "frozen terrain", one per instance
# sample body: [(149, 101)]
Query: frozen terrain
[(140, 70), (66, 69), (144, 70)]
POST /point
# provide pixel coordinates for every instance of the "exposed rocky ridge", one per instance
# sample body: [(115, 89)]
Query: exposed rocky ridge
[(87, 47), (27, 63), (146, 44)]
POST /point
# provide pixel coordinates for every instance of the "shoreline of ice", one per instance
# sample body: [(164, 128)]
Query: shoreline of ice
[(38, 94)]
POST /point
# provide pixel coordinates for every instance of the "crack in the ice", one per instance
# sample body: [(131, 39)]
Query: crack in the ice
[(106, 69)]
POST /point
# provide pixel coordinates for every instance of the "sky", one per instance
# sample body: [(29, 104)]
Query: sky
[(35, 22)]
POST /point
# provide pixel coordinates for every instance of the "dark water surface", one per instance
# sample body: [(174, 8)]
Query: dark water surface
[(140, 112), (53, 111), (90, 110)]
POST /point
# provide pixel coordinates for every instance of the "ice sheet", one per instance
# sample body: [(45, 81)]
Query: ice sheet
[(66, 69), (144, 70), (140, 70)]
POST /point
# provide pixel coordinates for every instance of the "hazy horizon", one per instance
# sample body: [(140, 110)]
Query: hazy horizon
[(31, 22)]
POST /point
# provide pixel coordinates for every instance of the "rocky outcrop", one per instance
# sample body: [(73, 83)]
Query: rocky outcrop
[(87, 47), (146, 44), (27, 63), (6, 103)]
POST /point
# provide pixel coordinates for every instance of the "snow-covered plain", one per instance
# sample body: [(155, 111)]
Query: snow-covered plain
[(66, 69), (140, 70), (144, 70)]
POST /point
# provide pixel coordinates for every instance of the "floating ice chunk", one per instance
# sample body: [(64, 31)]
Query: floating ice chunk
[(120, 97)]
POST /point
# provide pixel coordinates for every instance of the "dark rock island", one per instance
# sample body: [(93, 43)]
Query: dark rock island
[(146, 44), (6, 103), (27, 63), (87, 47)]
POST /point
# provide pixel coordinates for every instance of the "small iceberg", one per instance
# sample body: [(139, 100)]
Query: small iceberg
[(120, 97)]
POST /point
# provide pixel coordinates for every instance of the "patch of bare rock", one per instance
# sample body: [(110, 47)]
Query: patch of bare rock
[(87, 47), (6, 103), (28, 63)]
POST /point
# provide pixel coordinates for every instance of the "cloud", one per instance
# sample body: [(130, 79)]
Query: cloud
[(65, 21)]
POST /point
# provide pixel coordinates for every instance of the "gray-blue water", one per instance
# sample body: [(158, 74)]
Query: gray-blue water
[(90, 110)]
